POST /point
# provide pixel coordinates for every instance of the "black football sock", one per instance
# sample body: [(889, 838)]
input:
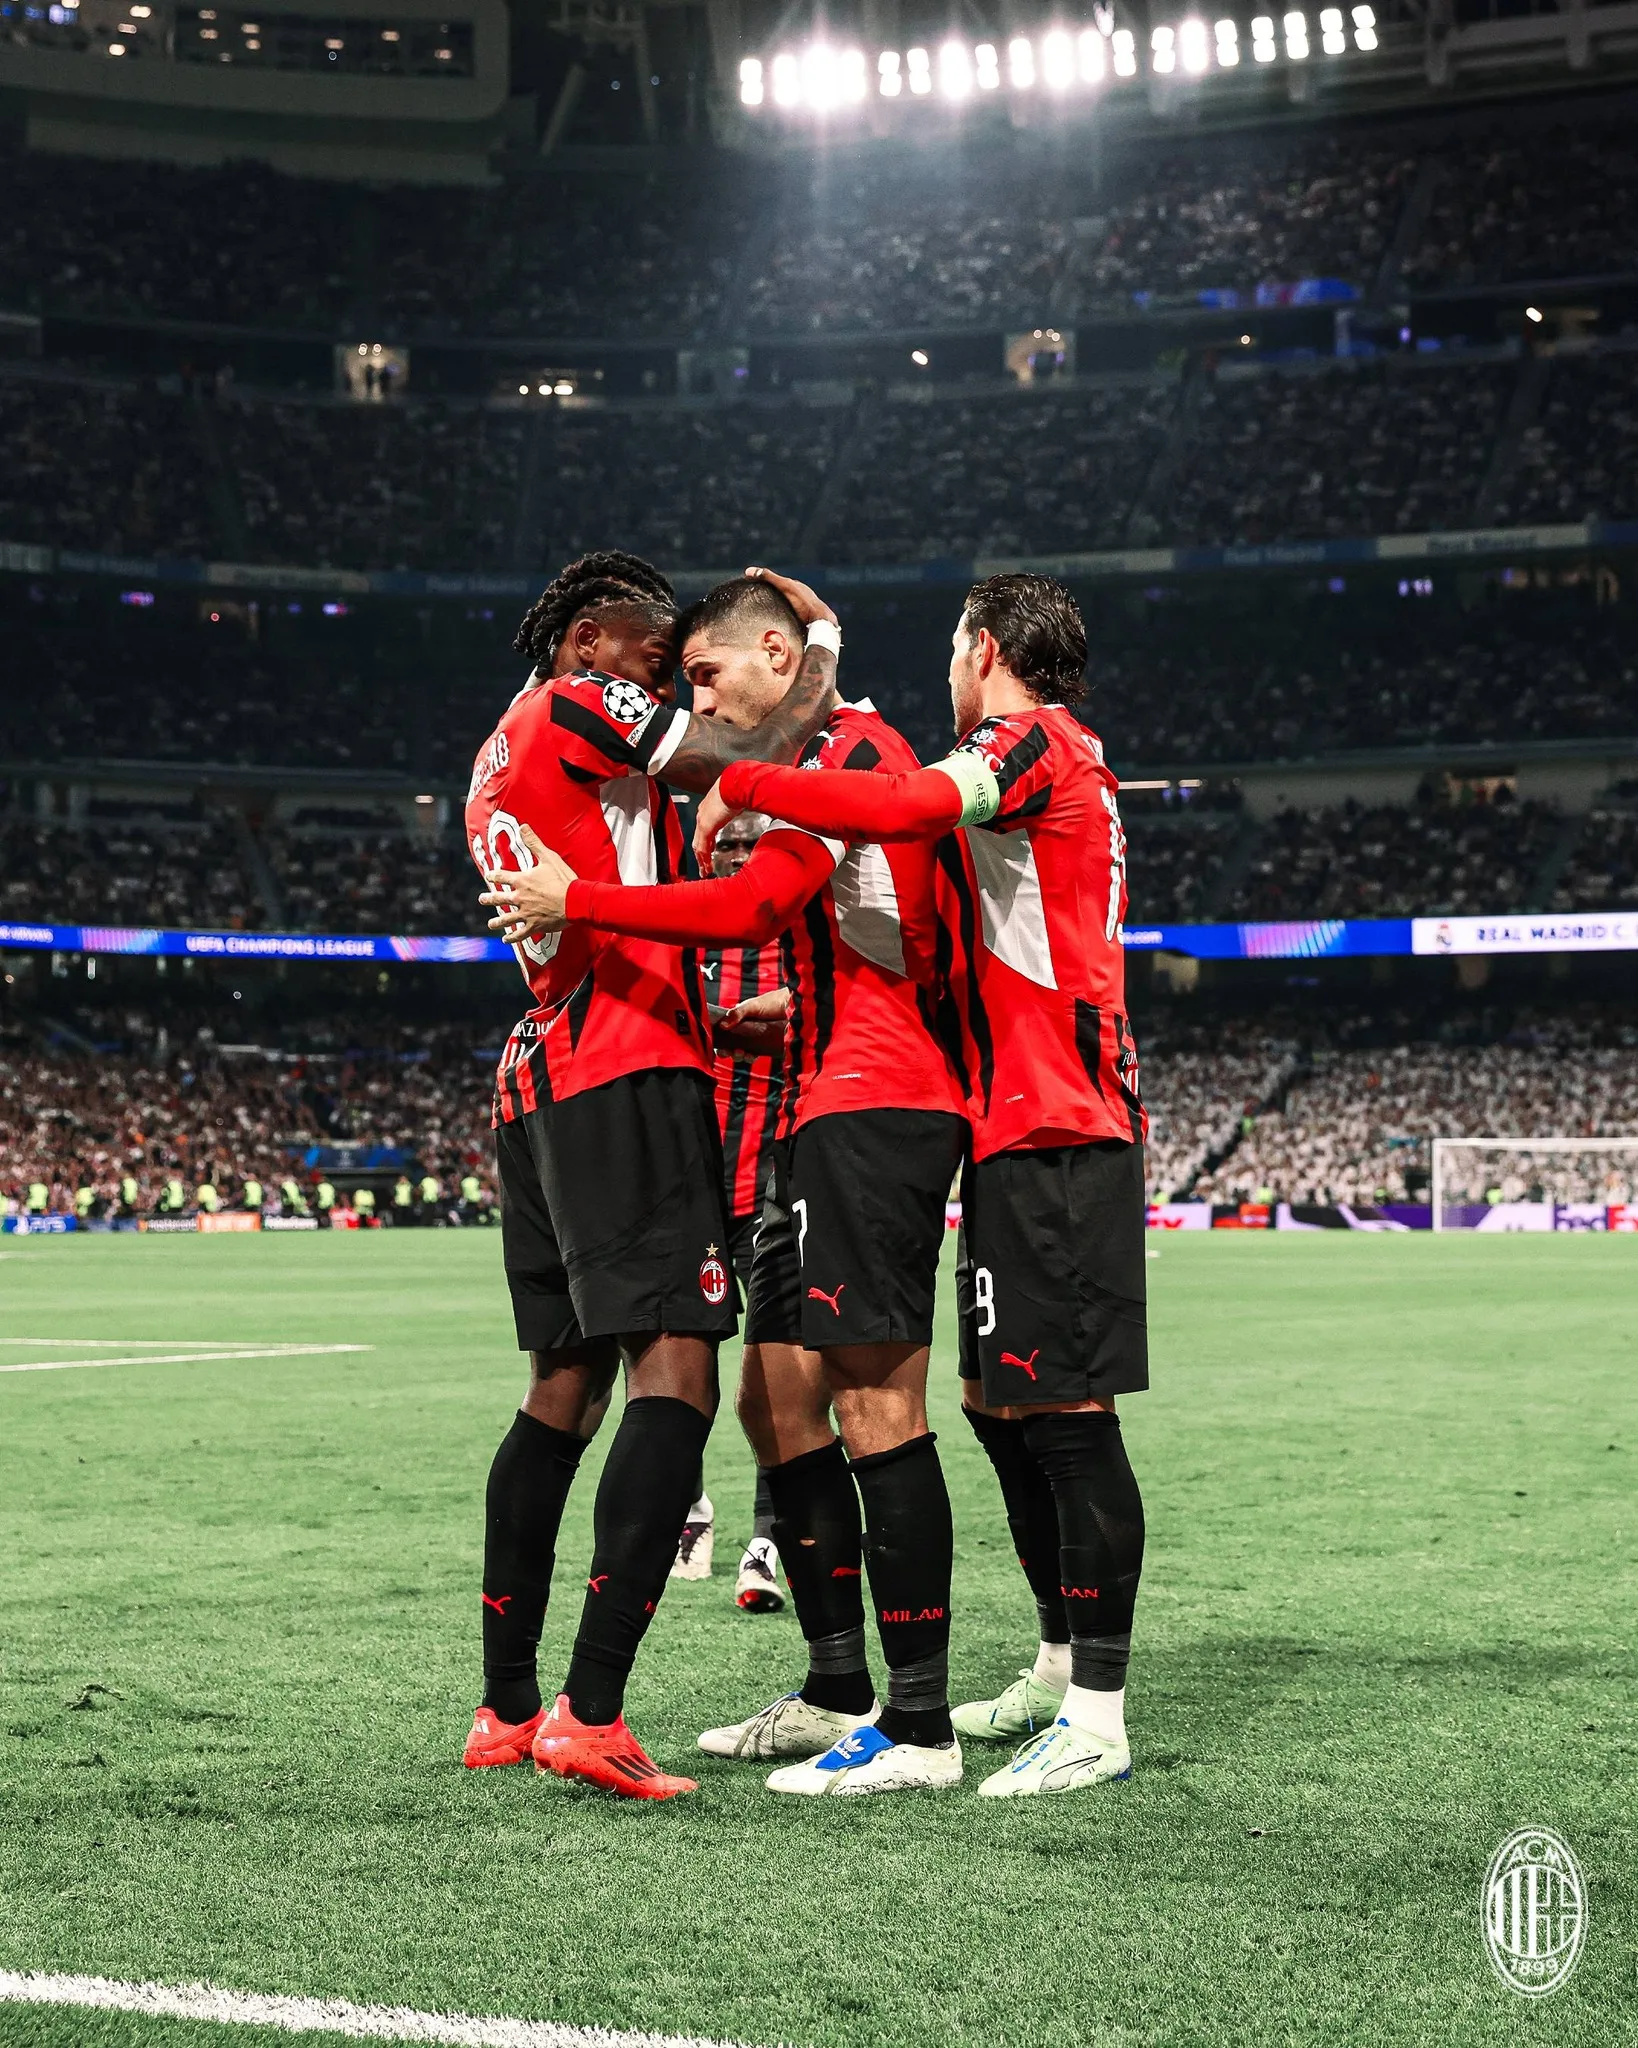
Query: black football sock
[(762, 1509), (643, 1500), (528, 1485), (1032, 1516), (1100, 1522), (816, 1530), (909, 1547)]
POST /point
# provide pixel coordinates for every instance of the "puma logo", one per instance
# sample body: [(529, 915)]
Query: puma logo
[(596, 1585), (846, 1571), (498, 1605), (1023, 1364), (832, 1301)]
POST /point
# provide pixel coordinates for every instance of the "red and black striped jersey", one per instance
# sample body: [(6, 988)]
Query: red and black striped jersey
[(1031, 905), (861, 960), (747, 1084), (574, 759)]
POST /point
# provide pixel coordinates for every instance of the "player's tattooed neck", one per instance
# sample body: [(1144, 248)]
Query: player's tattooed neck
[(709, 745)]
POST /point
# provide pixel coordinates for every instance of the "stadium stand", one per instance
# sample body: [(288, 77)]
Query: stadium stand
[(152, 1106), (1581, 457), (1354, 1127), (1011, 474), (1349, 861), (1343, 450)]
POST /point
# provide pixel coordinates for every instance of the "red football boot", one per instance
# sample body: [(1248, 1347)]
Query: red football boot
[(611, 1757), (494, 1741)]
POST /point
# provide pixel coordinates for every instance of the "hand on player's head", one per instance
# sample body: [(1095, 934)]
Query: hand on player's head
[(803, 599)]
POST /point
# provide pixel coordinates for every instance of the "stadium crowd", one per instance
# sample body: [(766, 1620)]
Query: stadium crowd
[(1427, 859), (1256, 454), (866, 240), (150, 1110), (1355, 1127), (1435, 859)]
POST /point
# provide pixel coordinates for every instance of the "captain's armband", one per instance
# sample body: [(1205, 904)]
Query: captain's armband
[(980, 792)]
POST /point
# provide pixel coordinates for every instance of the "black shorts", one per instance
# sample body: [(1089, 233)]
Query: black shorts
[(613, 1216), (742, 1245), (852, 1227), (1050, 1278)]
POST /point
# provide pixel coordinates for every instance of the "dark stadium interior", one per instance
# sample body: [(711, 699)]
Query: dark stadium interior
[(891, 361)]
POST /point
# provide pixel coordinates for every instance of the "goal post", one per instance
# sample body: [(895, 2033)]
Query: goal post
[(1447, 1182)]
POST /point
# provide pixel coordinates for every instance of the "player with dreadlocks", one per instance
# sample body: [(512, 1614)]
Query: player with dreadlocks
[(614, 1224)]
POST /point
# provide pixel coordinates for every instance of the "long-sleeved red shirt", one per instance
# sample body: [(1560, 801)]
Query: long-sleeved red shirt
[(1031, 894), (859, 942)]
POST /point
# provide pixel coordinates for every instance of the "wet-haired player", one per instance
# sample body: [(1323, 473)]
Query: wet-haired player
[(614, 1227), (871, 1130), (1032, 860)]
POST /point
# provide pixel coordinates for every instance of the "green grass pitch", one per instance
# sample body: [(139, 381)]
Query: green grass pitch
[(1388, 1615)]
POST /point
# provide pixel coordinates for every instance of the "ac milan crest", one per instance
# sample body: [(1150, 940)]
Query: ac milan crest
[(713, 1277)]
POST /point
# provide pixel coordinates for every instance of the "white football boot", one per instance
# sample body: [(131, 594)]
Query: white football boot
[(787, 1726), (1063, 1759), (866, 1761), (697, 1542), (757, 1588)]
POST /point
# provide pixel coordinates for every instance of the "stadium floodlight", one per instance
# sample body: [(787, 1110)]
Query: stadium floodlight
[(1094, 60), (1228, 44), (1162, 53), (1123, 48), (523, 391), (819, 81), (1364, 28), (563, 388), (988, 63), (787, 79), (1058, 60), (955, 71), (1332, 39), (850, 74), (1262, 39), (889, 77), (1021, 61), (116, 49), (920, 358), (1192, 45), (750, 82), (1296, 37), (1534, 314), (921, 70)]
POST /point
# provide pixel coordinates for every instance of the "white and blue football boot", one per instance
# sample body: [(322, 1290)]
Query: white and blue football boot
[(866, 1761), (1062, 1759)]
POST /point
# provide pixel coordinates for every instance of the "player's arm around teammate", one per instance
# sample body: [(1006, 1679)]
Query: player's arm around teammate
[(848, 1249), (613, 1066), (1052, 1279)]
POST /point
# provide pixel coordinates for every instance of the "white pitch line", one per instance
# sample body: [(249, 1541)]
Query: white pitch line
[(186, 1357), (108, 1343), (319, 2015)]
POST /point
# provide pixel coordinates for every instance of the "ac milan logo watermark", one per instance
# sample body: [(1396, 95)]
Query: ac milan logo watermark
[(1534, 1908), (713, 1277)]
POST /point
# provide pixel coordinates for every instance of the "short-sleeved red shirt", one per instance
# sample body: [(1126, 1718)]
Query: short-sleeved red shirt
[(574, 759)]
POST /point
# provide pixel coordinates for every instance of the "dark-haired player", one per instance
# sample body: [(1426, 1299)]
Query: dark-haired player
[(614, 1228), (1051, 1287), (871, 1130)]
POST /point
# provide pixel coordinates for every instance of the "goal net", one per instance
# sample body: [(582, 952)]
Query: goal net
[(1535, 1183)]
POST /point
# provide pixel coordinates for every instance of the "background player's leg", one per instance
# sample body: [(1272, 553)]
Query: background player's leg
[(880, 1394), (642, 1499), (784, 1407), (528, 1487), (1100, 1521)]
